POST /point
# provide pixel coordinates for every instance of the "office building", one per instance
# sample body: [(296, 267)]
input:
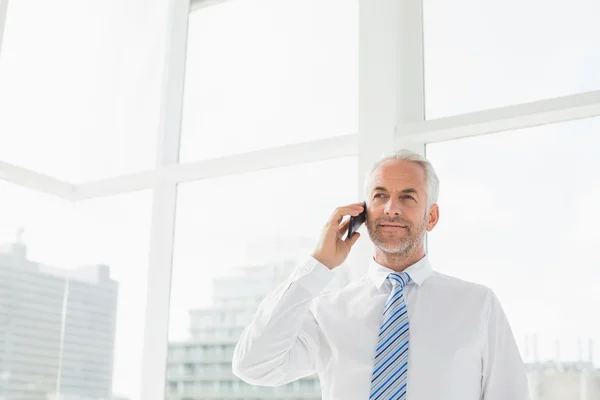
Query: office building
[(555, 380), (57, 329), (200, 368)]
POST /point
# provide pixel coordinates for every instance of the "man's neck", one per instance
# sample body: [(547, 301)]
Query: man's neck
[(398, 262)]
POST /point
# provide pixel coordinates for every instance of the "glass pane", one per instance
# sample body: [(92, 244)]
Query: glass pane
[(79, 101), (267, 73), (72, 295), (519, 214), (488, 54), (236, 238)]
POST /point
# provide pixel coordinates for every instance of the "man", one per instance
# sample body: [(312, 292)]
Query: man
[(404, 331)]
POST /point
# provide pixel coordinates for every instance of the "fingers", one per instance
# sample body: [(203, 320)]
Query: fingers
[(343, 227), (352, 240), (352, 209)]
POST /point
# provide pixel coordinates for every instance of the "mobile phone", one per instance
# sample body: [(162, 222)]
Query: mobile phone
[(356, 222)]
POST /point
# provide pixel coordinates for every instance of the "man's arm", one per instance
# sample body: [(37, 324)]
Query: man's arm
[(283, 342), (504, 376)]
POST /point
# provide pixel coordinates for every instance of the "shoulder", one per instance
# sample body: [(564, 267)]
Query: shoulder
[(460, 292), (332, 295), (442, 281)]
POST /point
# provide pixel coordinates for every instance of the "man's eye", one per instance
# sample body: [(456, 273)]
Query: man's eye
[(378, 195), (406, 196)]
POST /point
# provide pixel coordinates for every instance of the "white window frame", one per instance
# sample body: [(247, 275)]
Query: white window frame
[(391, 115), (3, 10)]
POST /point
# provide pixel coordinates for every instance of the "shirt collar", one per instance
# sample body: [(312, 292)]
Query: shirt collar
[(418, 272)]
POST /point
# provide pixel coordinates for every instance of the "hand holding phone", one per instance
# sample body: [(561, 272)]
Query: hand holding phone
[(332, 250), (356, 222)]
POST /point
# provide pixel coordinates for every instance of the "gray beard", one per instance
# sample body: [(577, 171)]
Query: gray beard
[(404, 246)]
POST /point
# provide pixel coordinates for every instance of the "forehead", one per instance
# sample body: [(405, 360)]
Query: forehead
[(398, 175)]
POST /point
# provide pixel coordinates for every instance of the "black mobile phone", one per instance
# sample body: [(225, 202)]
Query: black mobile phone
[(356, 222)]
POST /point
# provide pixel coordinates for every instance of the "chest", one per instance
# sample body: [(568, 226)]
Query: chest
[(445, 343)]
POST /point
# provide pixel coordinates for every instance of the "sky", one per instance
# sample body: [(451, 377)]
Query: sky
[(81, 102)]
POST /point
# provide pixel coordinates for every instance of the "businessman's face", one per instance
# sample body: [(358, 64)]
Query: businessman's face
[(397, 207)]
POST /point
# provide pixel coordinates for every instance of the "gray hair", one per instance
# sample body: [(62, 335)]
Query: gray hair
[(433, 183)]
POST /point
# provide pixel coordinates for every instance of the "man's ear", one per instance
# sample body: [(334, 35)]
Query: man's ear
[(434, 217)]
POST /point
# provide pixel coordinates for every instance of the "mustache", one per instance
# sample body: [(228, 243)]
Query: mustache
[(382, 221)]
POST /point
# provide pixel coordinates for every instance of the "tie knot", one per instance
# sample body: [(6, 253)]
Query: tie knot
[(399, 278)]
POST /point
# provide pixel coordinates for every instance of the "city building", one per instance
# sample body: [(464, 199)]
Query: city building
[(558, 377), (57, 329), (555, 380), (200, 368)]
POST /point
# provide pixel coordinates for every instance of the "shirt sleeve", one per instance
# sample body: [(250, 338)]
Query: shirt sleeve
[(504, 375), (284, 342)]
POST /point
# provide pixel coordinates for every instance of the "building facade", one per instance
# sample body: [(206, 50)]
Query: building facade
[(200, 368), (57, 329), (557, 380)]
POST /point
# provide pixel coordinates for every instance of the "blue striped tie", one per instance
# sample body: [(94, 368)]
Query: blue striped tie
[(391, 356)]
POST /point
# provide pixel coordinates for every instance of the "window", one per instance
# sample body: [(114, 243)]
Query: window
[(289, 207), (226, 386), (69, 264), (488, 54), (78, 101), (206, 387), (173, 371), (267, 73), (519, 214), (176, 354), (190, 369), (269, 217), (308, 385), (190, 387)]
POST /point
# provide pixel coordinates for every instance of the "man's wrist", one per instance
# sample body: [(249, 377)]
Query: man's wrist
[(321, 261)]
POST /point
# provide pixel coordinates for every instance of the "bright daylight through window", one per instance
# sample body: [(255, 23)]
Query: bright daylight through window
[(255, 228), (72, 294), (280, 72), (164, 164), (488, 54), (529, 198), (78, 101)]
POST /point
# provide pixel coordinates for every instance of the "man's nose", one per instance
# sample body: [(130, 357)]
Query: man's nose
[(393, 207)]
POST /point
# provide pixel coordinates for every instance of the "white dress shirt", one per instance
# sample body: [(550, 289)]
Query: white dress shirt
[(461, 345)]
